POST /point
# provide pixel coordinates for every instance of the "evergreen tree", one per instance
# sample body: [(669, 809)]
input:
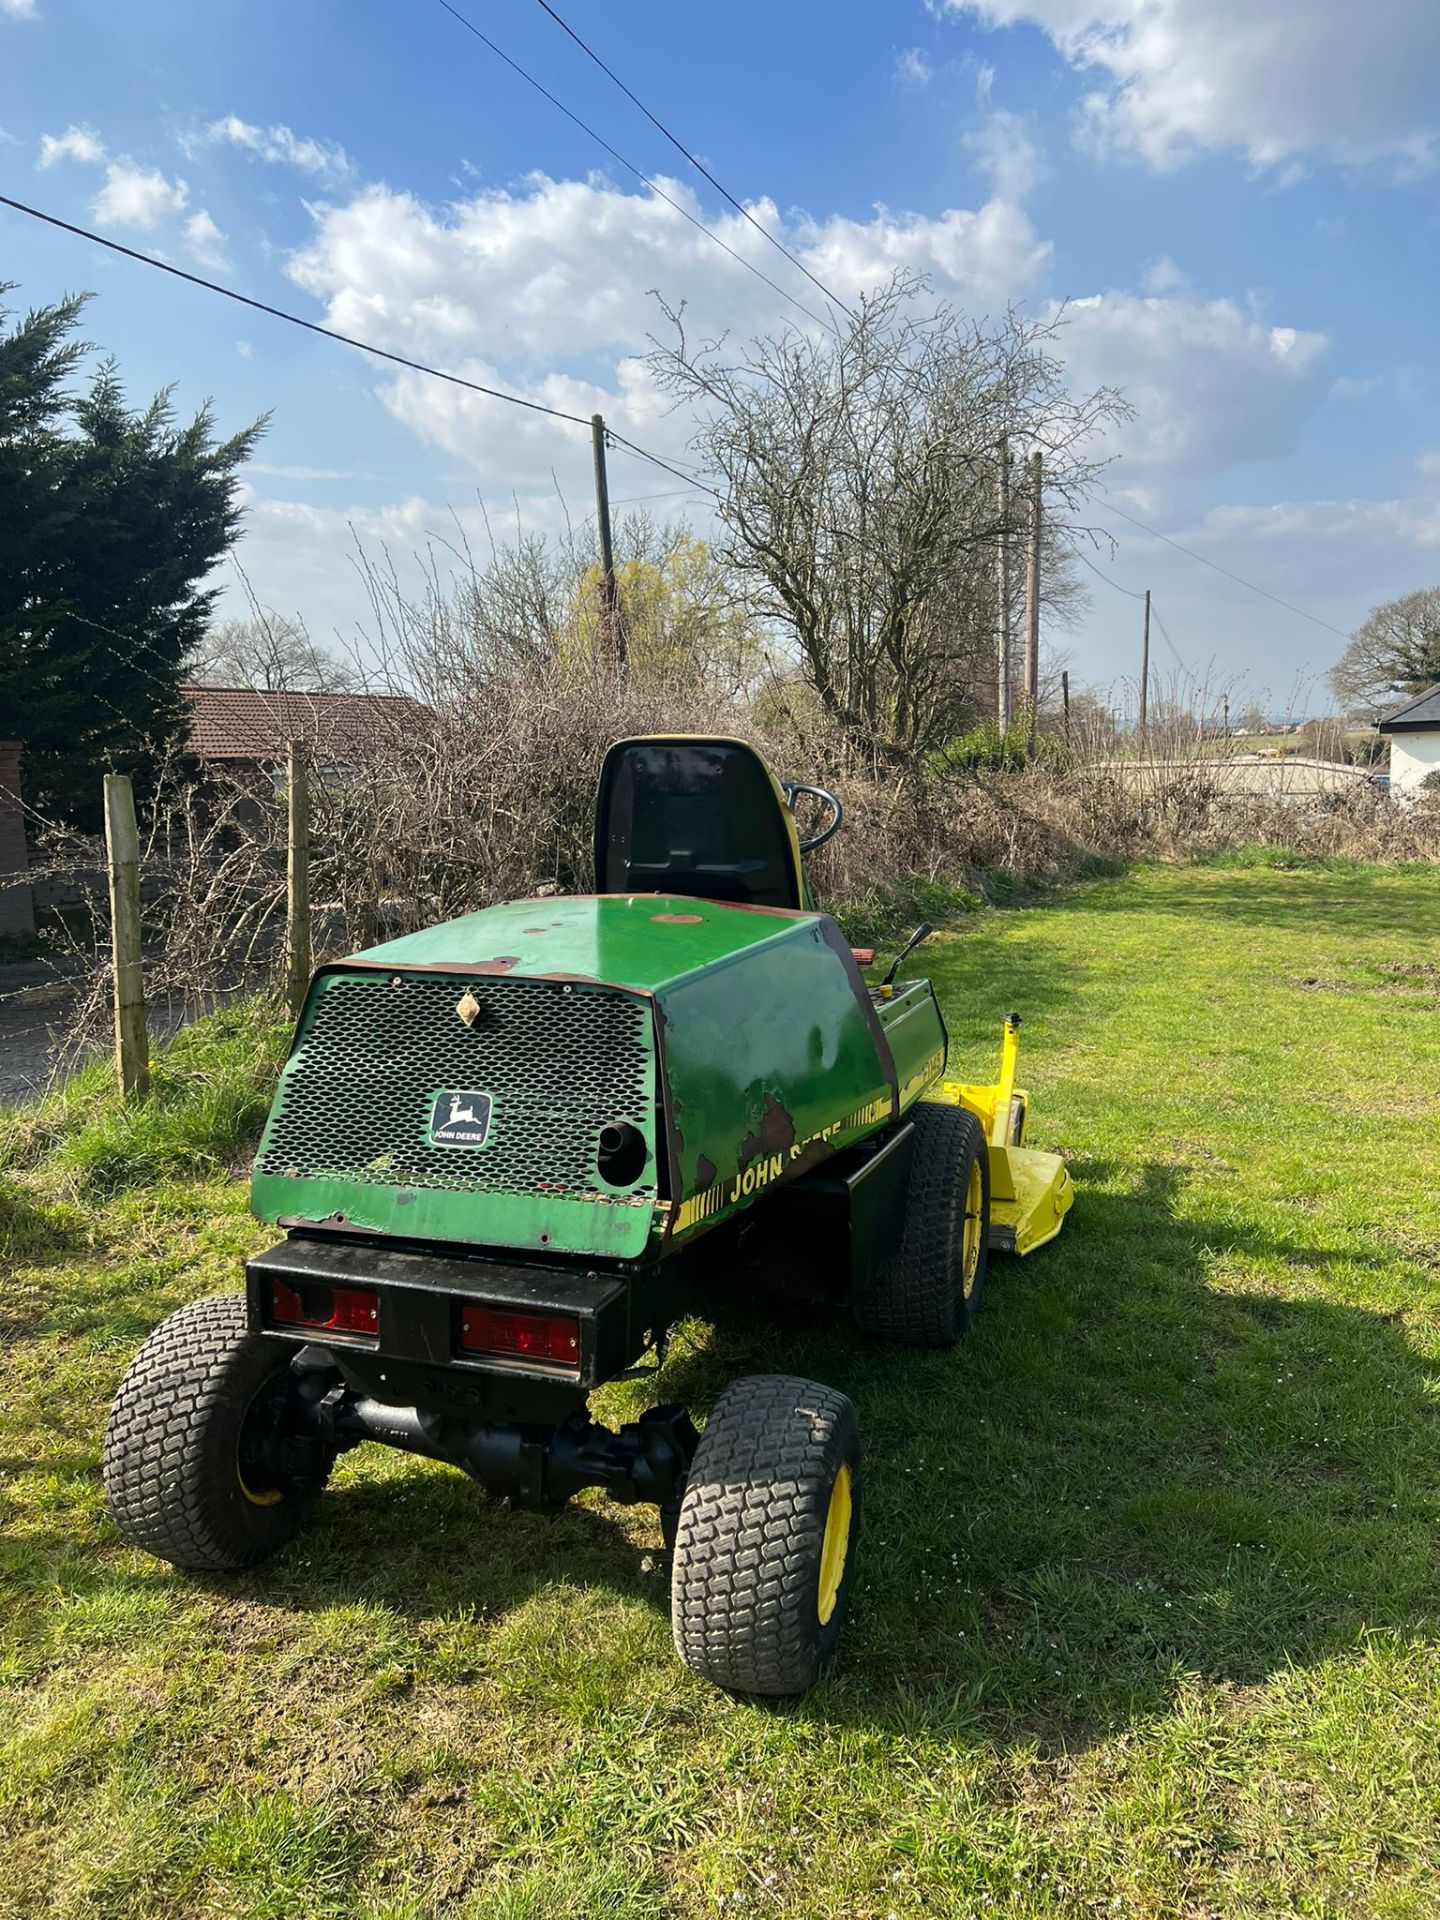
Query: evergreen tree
[(111, 521)]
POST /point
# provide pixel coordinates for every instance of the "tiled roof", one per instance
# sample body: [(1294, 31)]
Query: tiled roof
[(1420, 715), (242, 723)]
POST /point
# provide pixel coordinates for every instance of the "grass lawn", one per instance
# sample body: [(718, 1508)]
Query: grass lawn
[(1146, 1620)]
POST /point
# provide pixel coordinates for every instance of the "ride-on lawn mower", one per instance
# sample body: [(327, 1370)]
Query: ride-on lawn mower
[(507, 1151)]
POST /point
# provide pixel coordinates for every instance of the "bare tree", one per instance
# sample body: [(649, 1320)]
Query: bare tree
[(1396, 651), (856, 478), (270, 653), (531, 604)]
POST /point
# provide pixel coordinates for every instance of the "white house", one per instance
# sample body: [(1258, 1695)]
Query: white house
[(1414, 733)]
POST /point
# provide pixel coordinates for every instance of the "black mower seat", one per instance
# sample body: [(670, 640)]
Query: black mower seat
[(700, 818)]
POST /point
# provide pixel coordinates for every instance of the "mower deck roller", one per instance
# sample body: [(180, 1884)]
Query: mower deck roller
[(507, 1152)]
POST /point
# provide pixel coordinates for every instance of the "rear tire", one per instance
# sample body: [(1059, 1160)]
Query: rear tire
[(765, 1547), (199, 1466), (927, 1292)]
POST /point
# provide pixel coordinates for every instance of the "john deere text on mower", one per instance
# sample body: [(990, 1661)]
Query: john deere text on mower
[(501, 1151)]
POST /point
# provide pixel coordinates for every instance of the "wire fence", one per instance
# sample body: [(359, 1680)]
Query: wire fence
[(485, 793)]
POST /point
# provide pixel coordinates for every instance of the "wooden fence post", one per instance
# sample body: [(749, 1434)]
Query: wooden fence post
[(297, 905), (122, 844)]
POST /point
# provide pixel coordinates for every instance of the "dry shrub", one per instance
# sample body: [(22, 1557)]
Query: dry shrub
[(487, 794)]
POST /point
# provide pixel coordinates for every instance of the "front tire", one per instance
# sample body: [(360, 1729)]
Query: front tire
[(927, 1292), (201, 1466), (765, 1548)]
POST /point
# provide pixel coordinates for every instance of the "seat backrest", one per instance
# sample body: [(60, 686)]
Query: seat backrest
[(701, 818)]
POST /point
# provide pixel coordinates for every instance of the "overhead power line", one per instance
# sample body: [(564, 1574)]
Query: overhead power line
[(295, 319), (1100, 574), (1214, 565), (345, 339), (619, 440), (1174, 650), (630, 167), (698, 165)]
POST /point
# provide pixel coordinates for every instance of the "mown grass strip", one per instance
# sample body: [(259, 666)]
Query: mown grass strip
[(1147, 1622)]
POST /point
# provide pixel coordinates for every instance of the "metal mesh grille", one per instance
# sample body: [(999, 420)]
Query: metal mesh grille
[(558, 1063)]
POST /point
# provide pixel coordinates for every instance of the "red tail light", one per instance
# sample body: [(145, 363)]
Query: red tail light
[(337, 1309), (554, 1337)]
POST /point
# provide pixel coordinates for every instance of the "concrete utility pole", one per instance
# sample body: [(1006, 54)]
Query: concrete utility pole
[(1145, 667), (1002, 589), (297, 913), (1032, 596), (612, 638), (122, 844)]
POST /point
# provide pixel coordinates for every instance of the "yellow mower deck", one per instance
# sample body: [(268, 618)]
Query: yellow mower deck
[(1030, 1192)]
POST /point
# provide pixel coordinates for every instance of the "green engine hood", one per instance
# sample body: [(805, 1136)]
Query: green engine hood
[(740, 1042), (642, 941)]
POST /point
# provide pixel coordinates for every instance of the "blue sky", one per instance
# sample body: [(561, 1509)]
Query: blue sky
[(1239, 204)]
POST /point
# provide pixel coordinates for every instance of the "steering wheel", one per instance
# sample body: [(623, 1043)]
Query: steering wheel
[(837, 813)]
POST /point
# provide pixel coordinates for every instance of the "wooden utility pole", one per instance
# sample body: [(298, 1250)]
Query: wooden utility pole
[(297, 879), (1065, 702), (612, 637), (122, 845), (1032, 599), (1225, 710), (1002, 591), (1145, 668)]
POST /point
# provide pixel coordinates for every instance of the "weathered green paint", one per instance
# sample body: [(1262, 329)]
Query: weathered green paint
[(646, 941), (918, 1042), (771, 1059), (552, 1223), (771, 1051), (391, 1097)]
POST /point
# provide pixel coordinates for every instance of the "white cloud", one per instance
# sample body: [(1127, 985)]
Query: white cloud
[(271, 471), (913, 68), (562, 272), (137, 196), (1311, 526), (76, 143), (1212, 385), (276, 145), (205, 240), (18, 9), (1163, 276), (1356, 387), (245, 349), (1276, 80), (303, 559), (1006, 153), (545, 292)]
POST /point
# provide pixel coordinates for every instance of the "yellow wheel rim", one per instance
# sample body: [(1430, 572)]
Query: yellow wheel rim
[(835, 1550), (266, 1497), (974, 1224)]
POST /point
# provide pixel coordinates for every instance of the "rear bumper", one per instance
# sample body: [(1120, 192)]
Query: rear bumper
[(415, 1354)]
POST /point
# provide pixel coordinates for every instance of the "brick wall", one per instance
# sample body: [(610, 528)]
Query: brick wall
[(17, 910)]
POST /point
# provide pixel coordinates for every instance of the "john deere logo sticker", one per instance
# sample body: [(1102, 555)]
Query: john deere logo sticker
[(460, 1119)]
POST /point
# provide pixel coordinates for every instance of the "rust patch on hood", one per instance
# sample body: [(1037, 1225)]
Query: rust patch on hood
[(677, 919), (775, 1134)]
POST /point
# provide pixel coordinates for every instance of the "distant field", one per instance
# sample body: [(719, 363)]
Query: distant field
[(1147, 1613), (1287, 745)]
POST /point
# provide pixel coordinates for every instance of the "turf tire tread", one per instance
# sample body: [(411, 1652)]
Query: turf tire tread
[(169, 1466), (918, 1299), (745, 1573)]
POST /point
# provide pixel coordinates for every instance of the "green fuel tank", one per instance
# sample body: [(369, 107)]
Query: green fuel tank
[(603, 1076)]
